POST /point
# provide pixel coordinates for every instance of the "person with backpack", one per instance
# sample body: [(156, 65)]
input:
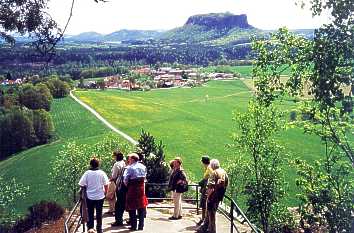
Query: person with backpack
[(207, 171), (121, 190), (217, 184), (177, 184)]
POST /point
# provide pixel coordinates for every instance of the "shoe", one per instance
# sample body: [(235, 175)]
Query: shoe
[(179, 217), (200, 222), (173, 218), (117, 224), (132, 229), (140, 228)]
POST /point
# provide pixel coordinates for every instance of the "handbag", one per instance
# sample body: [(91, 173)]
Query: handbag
[(182, 187)]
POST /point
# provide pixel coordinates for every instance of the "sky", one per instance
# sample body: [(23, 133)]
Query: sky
[(167, 14)]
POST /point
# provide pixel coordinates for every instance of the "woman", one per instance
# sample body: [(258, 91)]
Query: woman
[(95, 181), (177, 180)]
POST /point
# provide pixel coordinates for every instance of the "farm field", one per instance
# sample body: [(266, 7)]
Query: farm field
[(32, 167), (192, 121)]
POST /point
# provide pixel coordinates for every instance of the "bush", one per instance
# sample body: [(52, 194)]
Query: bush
[(45, 211), (58, 88), (153, 157)]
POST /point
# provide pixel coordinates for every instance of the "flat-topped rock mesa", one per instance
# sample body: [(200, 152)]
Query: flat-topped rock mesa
[(219, 21)]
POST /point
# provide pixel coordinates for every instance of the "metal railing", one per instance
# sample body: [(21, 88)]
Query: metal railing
[(233, 213), (73, 221), (228, 208), (192, 188)]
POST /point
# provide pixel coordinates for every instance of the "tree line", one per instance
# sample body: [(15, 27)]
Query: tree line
[(24, 114)]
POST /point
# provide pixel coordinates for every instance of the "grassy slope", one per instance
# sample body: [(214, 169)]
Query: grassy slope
[(32, 166), (188, 124)]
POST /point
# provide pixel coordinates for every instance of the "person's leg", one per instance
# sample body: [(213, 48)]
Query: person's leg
[(90, 212), (176, 204), (99, 208), (120, 206), (204, 226), (212, 225), (133, 220), (179, 201), (141, 216)]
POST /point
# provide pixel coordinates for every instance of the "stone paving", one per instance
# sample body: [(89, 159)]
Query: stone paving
[(157, 222)]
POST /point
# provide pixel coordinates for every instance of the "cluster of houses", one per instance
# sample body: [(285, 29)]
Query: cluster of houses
[(163, 78), (6, 82)]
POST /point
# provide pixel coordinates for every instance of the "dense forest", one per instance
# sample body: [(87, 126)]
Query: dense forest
[(76, 59)]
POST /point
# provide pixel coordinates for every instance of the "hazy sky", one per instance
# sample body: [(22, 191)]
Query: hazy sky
[(167, 14)]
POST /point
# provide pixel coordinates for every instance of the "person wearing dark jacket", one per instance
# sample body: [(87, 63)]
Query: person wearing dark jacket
[(176, 182)]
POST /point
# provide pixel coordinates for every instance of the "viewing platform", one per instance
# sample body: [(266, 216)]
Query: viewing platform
[(229, 219)]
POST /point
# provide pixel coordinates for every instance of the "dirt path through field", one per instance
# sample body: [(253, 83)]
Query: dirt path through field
[(104, 121)]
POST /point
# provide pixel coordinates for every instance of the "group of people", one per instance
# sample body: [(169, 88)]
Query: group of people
[(129, 177)]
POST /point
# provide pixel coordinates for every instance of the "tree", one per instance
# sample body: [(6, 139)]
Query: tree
[(16, 132), (58, 88), (30, 17), (101, 84), (43, 125), (326, 64), (152, 155), (35, 97), (264, 186), (73, 160), (10, 192)]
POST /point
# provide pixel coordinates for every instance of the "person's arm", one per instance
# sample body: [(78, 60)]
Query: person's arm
[(126, 176), (105, 189), (114, 173), (105, 182)]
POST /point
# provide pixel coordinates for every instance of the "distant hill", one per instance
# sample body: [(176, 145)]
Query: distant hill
[(86, 37), (124, 34), (219, 28), (121, 35), (208, 29)]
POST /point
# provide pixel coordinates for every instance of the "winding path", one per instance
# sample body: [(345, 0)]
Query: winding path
[(104, 121)]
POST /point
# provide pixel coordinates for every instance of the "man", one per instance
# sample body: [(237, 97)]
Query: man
[(117, 176), (217, 184), (207, 171), (136, 201)]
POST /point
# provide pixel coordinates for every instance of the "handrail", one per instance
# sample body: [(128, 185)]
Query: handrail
[(69, 221), (193, 186), (227, 212), (235, 208)]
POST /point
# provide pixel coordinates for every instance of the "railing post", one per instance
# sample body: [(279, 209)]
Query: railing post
[(232, 217), (197, 194)]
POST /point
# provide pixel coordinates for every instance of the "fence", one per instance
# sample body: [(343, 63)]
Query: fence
[(228, 208)]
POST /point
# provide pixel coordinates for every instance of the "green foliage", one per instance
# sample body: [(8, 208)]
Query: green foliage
[(73, 160), (10, 192), (325, 64), (42, 125), (58, 88), (35, 97), (327, 191), (16, 131), (264, 186), (153, 157)]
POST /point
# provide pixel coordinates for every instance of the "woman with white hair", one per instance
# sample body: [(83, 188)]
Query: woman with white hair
[(217, 184)]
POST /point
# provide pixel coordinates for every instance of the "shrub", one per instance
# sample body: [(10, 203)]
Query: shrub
[(45, 211), (153, 157)]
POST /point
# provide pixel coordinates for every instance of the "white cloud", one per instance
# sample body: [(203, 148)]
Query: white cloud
[(167, 14)]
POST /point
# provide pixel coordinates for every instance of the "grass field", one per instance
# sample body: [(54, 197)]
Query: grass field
[(191, 124), (32, 167)]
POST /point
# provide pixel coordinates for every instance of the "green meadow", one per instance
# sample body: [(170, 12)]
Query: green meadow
[(192, 122), (32, 167)]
